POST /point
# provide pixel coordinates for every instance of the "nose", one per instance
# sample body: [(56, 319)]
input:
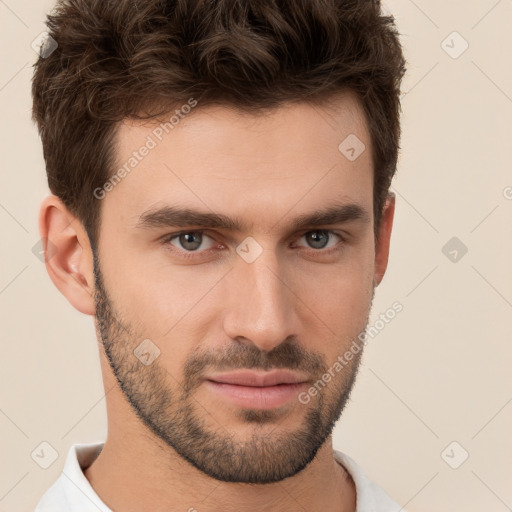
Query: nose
[(261, 307)]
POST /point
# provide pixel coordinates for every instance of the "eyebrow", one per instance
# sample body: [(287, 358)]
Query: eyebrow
[(175, 216)]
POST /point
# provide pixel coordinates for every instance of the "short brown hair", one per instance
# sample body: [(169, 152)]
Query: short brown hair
[(120, 59)]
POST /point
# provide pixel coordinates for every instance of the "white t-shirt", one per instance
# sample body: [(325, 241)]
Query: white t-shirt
[(72, 492)]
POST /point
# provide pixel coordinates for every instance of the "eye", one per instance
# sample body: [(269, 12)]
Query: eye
[(319, 239), (189, 241)]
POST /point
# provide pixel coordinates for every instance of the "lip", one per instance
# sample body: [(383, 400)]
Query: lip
[(259, 379), (257, 390)]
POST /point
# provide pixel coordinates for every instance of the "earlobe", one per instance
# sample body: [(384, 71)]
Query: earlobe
[(383, 239), (68, 255)]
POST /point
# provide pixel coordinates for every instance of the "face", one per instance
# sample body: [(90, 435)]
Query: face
[(235, 263)]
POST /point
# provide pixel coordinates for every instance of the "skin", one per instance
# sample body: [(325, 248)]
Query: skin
[(293, 307)]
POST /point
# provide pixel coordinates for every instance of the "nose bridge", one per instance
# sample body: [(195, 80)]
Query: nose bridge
[(261, 304)]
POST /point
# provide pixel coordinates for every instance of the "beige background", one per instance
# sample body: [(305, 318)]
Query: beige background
[(438, 373)]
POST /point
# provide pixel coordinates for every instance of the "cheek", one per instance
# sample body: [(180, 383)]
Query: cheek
[(173, 306), (340, 298), (148, 288)]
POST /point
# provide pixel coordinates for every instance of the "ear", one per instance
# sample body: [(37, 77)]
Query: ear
[(383, 239), (68, 254)]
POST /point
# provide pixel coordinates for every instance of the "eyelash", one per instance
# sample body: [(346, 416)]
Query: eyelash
[(166, 241)]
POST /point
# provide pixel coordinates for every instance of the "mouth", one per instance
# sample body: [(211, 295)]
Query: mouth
[(257, 390)]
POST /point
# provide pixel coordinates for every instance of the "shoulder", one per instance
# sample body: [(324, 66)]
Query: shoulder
[(72, 491)]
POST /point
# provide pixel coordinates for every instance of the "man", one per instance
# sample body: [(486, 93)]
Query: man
[(219, 175)]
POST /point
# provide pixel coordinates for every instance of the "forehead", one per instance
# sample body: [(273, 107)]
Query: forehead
[(220, 159)]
